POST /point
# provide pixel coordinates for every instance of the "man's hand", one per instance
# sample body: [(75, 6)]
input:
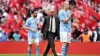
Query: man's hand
[(72, 13), (33, 30), (41, 35)]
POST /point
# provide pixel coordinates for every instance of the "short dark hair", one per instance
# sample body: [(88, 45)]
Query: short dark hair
[(35, 9), (1, 12), (16, 31)]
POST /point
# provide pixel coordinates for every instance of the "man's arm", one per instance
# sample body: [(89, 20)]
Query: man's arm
[(28, 28), (58, 29), (67, 19), (27, 24), (43, 25)]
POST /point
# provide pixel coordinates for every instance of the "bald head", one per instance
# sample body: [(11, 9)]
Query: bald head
[(52, 12)]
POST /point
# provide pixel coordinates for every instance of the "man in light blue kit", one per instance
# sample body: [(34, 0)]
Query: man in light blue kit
[(65, 27), (32, 27)]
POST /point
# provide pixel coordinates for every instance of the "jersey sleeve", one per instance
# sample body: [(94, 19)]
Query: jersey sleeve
[(61, 15), (27, 22)]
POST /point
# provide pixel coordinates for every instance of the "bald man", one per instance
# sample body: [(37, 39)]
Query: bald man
[(65, 27), (49, 30)]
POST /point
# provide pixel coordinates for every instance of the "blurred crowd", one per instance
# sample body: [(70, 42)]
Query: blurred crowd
[(14, 13), (86, 22)]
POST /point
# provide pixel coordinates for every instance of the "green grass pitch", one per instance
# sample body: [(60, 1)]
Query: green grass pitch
[(42, 55)]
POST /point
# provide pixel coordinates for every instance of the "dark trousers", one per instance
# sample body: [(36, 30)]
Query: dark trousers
[(50, 38)]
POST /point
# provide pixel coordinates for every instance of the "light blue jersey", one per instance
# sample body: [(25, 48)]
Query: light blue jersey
[(16, 37), (32, 23), (64, 27)]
